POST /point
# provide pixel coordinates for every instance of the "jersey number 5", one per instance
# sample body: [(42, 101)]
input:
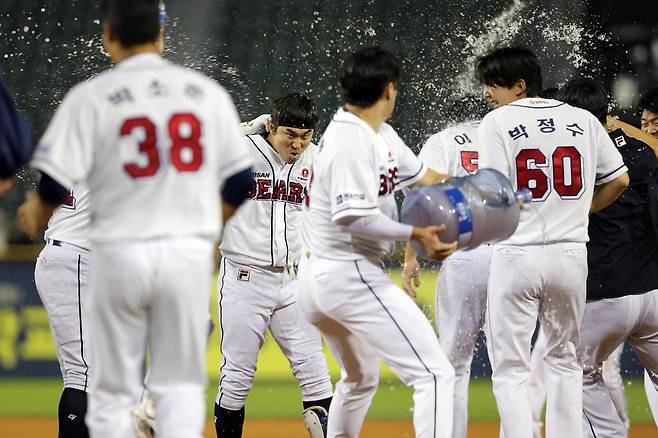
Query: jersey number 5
[(567, 170), (185, 154)]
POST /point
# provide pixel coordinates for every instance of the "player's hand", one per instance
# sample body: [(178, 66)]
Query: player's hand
[(255, 126), (429, 238), (411, 277), (33, 214), (6, 184)]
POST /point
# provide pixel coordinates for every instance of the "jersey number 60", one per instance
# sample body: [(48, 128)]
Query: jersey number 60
[(185, 133), (567, 170)]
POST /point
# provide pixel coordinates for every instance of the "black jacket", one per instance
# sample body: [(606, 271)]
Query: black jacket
[(15, 136), (622, 252)]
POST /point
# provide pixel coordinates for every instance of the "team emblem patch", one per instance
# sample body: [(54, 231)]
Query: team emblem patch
[(305, 172), (243, 274)]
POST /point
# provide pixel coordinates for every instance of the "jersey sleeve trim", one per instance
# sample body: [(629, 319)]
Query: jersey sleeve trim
[(612, 175), (354, 211), (415, 177)]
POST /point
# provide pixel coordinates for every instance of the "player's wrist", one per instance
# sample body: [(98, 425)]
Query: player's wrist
[(417, 233)]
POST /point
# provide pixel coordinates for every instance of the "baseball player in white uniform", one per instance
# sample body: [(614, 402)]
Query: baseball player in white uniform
[(560, 153), (155, 143), (461, 290), (622, 283), (537, 385), (260, 249), (61, 277), (349, 225)]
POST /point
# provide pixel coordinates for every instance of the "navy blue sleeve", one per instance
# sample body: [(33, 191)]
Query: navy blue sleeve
[(50, 191), (15, 135), (237, 187)]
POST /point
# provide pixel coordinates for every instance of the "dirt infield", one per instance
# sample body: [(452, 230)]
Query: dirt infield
[(20, 427)]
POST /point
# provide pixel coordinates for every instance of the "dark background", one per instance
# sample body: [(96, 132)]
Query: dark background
[(260, 50)]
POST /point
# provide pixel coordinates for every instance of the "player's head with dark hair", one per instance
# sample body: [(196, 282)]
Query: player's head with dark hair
[(549, 93), (587, 94), (367, 73), (293, 121), (648, 109), (131, 22), (295, 110), (508, 74)]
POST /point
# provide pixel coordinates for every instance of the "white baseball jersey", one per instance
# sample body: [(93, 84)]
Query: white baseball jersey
[(460, 305), (452, 151), (557, 151), (146, 136), (70, 221), (355, 173), (265, 230)]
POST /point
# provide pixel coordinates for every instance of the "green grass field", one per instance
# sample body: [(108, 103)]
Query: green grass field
[(281, 399), (275, 393)]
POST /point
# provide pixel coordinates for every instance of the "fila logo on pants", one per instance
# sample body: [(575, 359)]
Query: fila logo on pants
[(243, 274)]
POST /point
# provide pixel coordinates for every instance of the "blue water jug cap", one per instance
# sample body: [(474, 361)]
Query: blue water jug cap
[(524, 196)]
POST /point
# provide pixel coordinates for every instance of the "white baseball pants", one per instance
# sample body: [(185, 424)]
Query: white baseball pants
[(606, 325), (251, 300), (537, 387), (526, 283), (461, 303), (61, 279), (365, 318), (150, 294)]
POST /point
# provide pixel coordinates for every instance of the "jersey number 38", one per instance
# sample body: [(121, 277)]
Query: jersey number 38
[(185, 153)]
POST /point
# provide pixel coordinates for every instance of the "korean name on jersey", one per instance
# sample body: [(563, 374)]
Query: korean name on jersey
[(453, 150), (355, 173), (557, 151), (154, 142), (265, 230)]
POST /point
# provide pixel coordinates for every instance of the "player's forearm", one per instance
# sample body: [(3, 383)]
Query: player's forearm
[(632, 131), (377, 226), (228, 210), (607, 193), (431, 177), (409, 253)]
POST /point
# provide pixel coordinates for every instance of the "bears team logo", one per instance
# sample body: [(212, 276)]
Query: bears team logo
[(305, 173)]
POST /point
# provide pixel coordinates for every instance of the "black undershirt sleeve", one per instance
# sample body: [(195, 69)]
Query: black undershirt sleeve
[(237, 187), (50, 191)]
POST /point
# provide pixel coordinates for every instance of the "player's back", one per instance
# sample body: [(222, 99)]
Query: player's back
[(156, 141), (355, 173), (452, 151), (557, 151)]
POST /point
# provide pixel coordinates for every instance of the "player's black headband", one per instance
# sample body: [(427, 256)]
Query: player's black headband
[(294, 123), (296, 111)]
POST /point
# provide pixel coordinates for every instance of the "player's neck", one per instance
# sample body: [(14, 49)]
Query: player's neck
[(374, 115), (124, 53)]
